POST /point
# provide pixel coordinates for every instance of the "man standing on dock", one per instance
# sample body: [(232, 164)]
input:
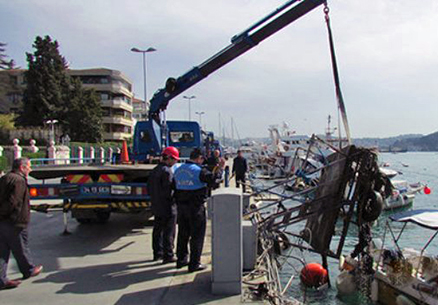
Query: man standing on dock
[(240, 168), (14, 219), (192, 182), (160, 188), (213, 164)]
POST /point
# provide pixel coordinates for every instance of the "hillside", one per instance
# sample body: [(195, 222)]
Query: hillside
[(423, 143), (385, 143), (409, 142)]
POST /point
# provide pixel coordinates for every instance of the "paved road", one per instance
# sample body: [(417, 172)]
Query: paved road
[(105, 264)]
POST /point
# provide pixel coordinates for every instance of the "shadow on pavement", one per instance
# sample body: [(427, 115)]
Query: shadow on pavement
[(193, 292), (48, 244), (107, 277)]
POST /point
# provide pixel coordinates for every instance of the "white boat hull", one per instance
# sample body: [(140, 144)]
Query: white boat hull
[(390, 291)]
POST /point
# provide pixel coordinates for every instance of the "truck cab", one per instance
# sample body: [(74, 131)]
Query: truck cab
[(181, 134)]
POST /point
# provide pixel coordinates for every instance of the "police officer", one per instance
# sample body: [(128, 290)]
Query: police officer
[(160, 188), (192, 182)]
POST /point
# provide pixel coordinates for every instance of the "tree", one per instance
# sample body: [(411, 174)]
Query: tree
[(83, 122), (6, 83), (52, 94), (7, 122), (4, 63), (48, 84)]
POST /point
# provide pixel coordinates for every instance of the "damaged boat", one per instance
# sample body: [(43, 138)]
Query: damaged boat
[(348, 182), (397, 275)]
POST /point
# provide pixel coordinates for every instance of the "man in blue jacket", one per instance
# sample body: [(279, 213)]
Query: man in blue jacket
[(192, 182)]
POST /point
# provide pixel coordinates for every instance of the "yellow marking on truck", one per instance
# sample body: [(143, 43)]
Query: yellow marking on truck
[(91, 206), (79, 179), (110, 178)]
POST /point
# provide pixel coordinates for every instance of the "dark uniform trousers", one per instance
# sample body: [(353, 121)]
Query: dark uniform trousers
[(14, 239), (163, 236), (192, 222), (240, 179)]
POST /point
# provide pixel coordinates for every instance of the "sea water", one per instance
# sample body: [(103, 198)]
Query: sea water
[(413, 167)]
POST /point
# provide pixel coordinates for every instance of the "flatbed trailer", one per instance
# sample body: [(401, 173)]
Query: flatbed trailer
[(92, 192)]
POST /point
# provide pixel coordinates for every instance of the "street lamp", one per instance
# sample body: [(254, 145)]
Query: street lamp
[(200, 117), (51, 123), (148, 50), (190, 109)]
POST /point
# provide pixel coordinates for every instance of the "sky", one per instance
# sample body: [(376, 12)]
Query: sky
[(386, 52)]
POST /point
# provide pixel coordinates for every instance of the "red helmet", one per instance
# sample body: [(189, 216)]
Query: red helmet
[(171, 152)]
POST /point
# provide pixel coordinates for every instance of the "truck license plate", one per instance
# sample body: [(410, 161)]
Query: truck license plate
[(96, 189)]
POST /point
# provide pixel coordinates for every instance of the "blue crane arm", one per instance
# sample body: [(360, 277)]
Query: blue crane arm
[(239, 44)]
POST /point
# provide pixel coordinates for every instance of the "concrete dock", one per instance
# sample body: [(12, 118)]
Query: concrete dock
[(106, 264)]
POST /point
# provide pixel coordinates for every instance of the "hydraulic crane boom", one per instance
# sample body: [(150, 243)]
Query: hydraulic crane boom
[(240, 44)]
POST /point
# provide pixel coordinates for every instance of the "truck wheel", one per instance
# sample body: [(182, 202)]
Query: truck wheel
[(83, 220), (102, 216)]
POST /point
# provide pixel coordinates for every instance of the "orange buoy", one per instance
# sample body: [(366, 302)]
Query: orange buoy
[(313, 275), (124, 156), (427, 190)]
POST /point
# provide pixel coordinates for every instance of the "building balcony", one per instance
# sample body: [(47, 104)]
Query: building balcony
[(117, 103), (116, 136), (115, 88), (118, 120)]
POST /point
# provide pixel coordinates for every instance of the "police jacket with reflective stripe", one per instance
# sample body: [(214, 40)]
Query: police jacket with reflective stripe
[(187, 177), (192, 182)]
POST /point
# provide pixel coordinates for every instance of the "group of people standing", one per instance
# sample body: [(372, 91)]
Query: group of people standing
[(178, 193)]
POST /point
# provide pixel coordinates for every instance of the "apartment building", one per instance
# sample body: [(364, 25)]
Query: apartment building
[(12, 85), (115, 92), (112, 86), (140, 109)]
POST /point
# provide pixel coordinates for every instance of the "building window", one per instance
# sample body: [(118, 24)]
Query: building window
[(14, 98), (106, 111), (104, 96), (122, 83), (123, 98), (94, 79)]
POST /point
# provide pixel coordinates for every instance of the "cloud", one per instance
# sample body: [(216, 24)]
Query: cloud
[(386, 54)]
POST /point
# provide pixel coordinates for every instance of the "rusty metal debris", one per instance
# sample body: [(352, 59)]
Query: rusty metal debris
[(350, 185)]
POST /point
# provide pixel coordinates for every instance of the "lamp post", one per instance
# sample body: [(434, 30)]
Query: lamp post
[(200, 117), (148, 50), (51, 123), (190, 109)]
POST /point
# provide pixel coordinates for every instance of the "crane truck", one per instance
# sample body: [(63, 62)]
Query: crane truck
[(92, 192)]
